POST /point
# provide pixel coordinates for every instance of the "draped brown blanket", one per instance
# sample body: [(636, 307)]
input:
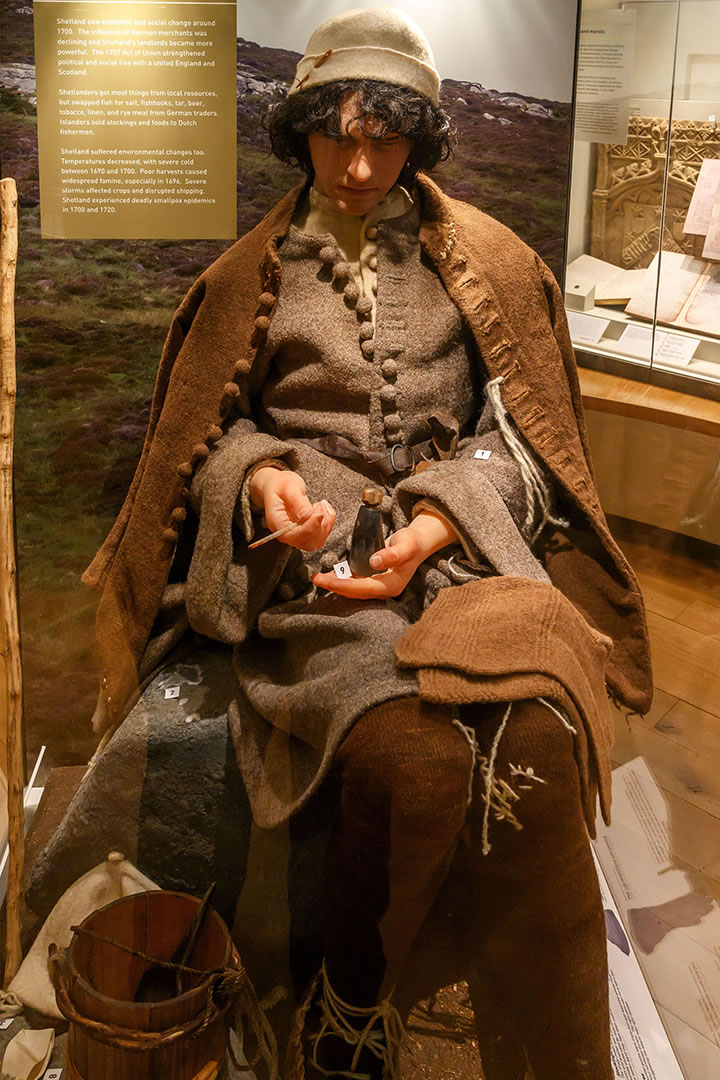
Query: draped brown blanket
[(509, 638)]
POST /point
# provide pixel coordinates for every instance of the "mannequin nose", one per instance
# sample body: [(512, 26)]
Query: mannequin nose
[(360, 167)]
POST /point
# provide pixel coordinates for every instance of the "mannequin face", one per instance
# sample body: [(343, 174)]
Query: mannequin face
[(356, 172)]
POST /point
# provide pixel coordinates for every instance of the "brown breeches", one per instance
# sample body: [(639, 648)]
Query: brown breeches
[(537, 941)]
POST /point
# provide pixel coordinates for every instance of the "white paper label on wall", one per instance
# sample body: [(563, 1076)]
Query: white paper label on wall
[(53, 1074), (342, 569), (483, 454), (604, 74), (172, 692), (586, 329)]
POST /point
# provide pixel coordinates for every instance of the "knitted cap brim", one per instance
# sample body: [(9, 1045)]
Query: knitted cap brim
[(368, 62)]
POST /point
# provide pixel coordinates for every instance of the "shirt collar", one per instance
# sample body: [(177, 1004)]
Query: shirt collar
[(322, 217)]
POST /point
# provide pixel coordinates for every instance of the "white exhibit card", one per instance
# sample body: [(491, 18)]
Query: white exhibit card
[(637, 340), (705, 197), (671, 349), (670, 924), (711, 250), (586, 329), (605, 64), (674, 350)]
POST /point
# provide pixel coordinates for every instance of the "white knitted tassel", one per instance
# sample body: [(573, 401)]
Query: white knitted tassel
[(488, 773), (536, 490), (560, 715), (471, 737)]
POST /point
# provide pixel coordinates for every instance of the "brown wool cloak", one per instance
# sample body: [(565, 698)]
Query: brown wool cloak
[(513, 306)]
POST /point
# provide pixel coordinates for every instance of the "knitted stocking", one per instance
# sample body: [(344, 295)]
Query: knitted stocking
[(539, 937), (404, 770)]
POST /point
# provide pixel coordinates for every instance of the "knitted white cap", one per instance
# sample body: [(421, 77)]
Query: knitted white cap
[(383, 44)]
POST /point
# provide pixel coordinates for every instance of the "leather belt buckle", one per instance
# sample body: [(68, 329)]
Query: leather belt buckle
[(408, 450)]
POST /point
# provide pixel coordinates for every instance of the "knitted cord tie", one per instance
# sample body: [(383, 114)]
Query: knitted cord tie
[(537, 493), (226, 986), (498, 796), (381, 1034)]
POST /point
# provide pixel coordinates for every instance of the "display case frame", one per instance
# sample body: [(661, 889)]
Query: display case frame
[(630, 199)]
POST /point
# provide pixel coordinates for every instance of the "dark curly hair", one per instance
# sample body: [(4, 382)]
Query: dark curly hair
[(391, 108)]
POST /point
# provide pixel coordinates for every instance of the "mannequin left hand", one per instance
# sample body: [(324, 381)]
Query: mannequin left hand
[(397, 562)]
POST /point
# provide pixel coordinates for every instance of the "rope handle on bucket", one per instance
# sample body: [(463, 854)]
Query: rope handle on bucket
[(225, 985)]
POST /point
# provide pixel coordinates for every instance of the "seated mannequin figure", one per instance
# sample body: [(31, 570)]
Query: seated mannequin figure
[(371, 332)]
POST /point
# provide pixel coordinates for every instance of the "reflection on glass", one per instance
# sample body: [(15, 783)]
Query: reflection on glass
[(643, 279), (642, 293)]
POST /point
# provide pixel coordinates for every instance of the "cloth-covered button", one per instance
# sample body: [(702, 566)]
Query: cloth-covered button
[(372, 262), (389, 369), (184, 492), (368, 348), (285, 592), (229, 397), (328, 560), (367, 331), (262, 324), (371, 233), (179, 514), (364, 307), (266, 300), (393, 424), (213, 433), (328, 254), (241, 368), (388, 396), (352, 293), (171, 536), (200, 453), (185, 469), (341, 269)]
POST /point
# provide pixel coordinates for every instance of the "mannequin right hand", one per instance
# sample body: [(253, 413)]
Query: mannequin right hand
[(280, 495)]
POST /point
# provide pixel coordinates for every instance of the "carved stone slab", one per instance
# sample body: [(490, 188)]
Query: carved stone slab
[(627, 203)]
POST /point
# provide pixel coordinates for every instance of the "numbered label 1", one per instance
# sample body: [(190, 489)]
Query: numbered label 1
[(342, 569), (172, 691), (483, 454)]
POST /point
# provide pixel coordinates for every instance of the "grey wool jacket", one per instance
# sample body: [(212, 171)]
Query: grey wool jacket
[(221, 394), (310, 663)]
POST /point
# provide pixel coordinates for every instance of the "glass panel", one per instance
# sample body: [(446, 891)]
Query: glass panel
[(625, 80), (643, 296), (687, 338)]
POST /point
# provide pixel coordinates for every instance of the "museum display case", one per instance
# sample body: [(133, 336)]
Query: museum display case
[(642, 284)]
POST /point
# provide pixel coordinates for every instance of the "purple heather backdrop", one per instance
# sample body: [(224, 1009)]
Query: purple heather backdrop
[(92, 316)]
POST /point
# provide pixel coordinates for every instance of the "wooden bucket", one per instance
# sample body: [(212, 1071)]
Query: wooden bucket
[(96, 983)]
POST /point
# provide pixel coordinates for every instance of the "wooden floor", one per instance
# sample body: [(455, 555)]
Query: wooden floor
[(680, 737)]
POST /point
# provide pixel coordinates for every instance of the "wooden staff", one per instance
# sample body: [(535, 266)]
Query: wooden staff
[(10, 639)]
